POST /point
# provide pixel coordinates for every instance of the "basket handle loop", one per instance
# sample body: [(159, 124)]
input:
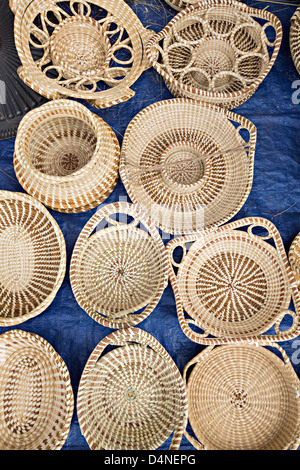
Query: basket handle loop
[(292, 328), (264, 35)]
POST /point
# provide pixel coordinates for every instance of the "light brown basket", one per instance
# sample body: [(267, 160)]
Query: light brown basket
[(294, 258), (180, 4), (295, 38), (178, 162), (119, 266), (243, 397), (216, 51), (132, 397), (36, 396), (66, 156), (89, 49), (234, 283), (32, 258)]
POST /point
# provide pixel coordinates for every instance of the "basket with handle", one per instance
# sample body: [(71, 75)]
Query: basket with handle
[(295, 38)]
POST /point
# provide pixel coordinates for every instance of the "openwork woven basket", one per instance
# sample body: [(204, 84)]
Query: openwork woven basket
[(89, 49), (243, 397), (36, 396), (234, 284), (66, 156), (132, 397), (32, 258), (295, 39), (187, 165), (217, 51), (294, 258), (119, 266)]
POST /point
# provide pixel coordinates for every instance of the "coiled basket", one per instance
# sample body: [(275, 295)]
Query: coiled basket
[(295, 38), (294, 258)]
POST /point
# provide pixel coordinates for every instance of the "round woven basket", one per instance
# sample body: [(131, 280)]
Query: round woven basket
[(132, 397), (294, 258), (36, 396), (187, 165), (218, 51), (295, 39), (243, 397), (32, 258), (119, 267), (66, 156)]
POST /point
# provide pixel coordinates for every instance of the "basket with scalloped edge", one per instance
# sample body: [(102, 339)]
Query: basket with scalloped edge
[(295, 38)]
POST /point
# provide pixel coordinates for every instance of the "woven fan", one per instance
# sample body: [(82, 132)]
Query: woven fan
[(295, 39), (294, 258)]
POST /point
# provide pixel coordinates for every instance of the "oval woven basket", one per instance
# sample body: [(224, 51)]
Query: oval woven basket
[(36, 396), (66, 156), (187, 165), (132, 397), (294, 258), (218, 51), (295, 38), (119, 266), (234, 284), (243, 397), (89, 49), (32, 258)]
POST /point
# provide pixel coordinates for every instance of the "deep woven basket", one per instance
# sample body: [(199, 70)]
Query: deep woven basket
[(243, 397), (176, 162), (294, 258), (119, 266), (216, 51), (295, 39), (66, 156), (234, 283), (36, 396), (89, 49), (32, 258), (131, 397)]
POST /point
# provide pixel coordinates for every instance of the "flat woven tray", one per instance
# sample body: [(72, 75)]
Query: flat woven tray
[(294, 258), (132, 397), (295, 39), (36, 396), (243, 397), (218, 51), (66, 156)]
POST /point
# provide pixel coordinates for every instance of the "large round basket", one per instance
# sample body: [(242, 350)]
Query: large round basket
[(36, 396), (295, 39), (131, 397), (294, 258)]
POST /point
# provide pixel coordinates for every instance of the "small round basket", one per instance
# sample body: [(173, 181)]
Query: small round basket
[(295, 39), (243, 397), (294, 258), (32, 258), (119, 267), (131, 397), (66, 156), (36, 396)]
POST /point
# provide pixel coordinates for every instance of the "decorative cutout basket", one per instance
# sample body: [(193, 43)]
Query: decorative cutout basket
[(178, 162), (36, 396), (119, 266), (243, 397), (294, 258), (89, 49), (295, 39), (234, 284), (216, 51), (132, 397), (32, 258)]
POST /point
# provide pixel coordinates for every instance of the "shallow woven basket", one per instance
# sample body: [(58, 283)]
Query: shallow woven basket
[(66, 156), (243, 397), (176, 162), (132, 397), (294, 258), (234, 284), (89, 49), (32, 258), (119, 266), (216, 51), (295, 39), (36, 396)]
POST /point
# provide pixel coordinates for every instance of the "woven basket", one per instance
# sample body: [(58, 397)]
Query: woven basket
[(13, 4), (176, 162), (295, 39), (216, 51), (243, 397), (234, 283), (36, 396), (66, 156), (180, 4), (32, 258), (294, 258), (89, 49), (132, 397), (119, 268)]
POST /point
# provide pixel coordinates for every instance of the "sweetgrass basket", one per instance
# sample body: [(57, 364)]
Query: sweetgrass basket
[(234, 284), (180, 4), (32, 258), (295, 38), (119, 266), (218, 51), (89, 49), (66, 156), (36, 396), (243, 397), (131, 397), (294, 258), (188, 164)]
